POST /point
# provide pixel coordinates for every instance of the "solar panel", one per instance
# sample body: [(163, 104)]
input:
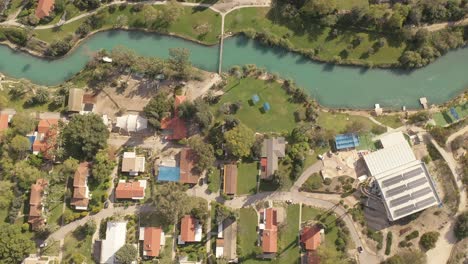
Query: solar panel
[(416, 183), (404, 210), (392, 181), (412, 173), (424, 203), (400, 200), (421, 193), (395, 190)]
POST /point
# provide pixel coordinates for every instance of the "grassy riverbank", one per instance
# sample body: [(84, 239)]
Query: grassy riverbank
[(318, 39), (187, 25)]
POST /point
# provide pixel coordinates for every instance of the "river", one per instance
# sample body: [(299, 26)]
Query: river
[(333, 86)]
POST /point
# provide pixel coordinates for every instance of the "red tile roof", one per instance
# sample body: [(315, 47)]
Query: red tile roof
[(48, 128), (270, 233), (152, 242), (129, 190), (311, 237), (230, 179), (80, 199), (187, 160), (44, 7), (187, 228), (35, 204), (176, 124), (3, 122), (312, 257), (45, 125)]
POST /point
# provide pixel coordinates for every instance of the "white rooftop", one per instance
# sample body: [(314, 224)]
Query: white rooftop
[(132, 123), (404, 181), (115, 239)]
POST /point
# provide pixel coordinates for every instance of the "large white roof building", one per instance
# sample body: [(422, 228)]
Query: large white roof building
[(404, 181), (116, 233)]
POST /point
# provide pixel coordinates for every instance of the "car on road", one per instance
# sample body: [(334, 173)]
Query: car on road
[(106, 204), (359, 249), (43, 245)]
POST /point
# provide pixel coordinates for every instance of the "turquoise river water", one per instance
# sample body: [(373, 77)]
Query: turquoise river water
[(333, 86)]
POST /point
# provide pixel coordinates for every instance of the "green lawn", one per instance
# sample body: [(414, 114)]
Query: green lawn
[(288, 248), (310, 214), (215, 180), (20, 103), (279, 118), (185, 26), (365, 142), (247, 178), (14, 6), (338, 121), (77, 244), (247, 236), (317, 37), (55, 214), (444, 118), (392, 121)]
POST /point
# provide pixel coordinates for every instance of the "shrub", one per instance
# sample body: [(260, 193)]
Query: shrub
[(433, 152), (377, 130), (388, 246), (428, 240), (314, 182), (422, 116), (376, 236), (461, 226), (412, 235)]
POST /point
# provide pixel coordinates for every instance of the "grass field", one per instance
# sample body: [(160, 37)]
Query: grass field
[(247, 178), (279, 118), (76, 244), (392, 121), (338, 121), (445, 117), (349, 4), (14, 6), (318, 37), (184, 26), (288, 248), (247, 236)]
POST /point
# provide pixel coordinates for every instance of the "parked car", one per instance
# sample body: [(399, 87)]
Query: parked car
[(359, 249)]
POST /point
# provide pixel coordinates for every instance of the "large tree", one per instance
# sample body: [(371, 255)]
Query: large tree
[(428, 240), (6, 194), (20, 145), (102, 166), (84, 136), (157, 108), (461, 226), (172, 202), (318, 8), (25, 174), (239, 141), (179, 63), (14, 244), (23, 123), (204, 153), (126, 254)]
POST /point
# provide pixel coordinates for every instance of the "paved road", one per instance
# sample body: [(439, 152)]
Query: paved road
[(316, 167)]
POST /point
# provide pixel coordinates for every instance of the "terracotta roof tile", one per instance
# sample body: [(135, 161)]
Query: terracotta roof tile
[(35, 204), (270, 233), (311, 237), (230, 179), (129, 190), (187, 160), (3, 122), (44, 7), (187, 228), (152, 242)]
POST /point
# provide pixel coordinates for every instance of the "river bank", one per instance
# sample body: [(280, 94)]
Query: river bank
[(333, 86)]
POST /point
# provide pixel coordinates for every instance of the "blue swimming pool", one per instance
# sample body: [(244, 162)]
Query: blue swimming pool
[(170, 174)]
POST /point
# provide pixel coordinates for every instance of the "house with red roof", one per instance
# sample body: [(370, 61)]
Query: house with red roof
[(81, 194), (269, 231), (46, 137), (36, 206), (190, 230), (311, 238), (44, 7), (153, 240), (4, 120), (175, 127), (187, 162), (134, 190)]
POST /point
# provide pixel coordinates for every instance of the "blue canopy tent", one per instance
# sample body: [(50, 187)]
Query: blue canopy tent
[(255, 98), (266, 106), (346, 141), (454, 113)]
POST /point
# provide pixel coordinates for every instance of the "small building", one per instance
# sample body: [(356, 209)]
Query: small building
[(423, 102), (36, 216), (346, 141), (107, 59), (44, 7), (175, 127), (404, 182), (378, 110), (269, 231), (230, 179), (4, 122), (75, 100), (132, 123), (153, 239), (35, 259), (190, 230), (45, 138), (272, 150), (81, 194), (116, 233), (311, 238), (132, 163), (187, 161), (130, 190), (227, 240)]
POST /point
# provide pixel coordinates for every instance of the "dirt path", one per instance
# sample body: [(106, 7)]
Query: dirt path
[(439, 26)]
